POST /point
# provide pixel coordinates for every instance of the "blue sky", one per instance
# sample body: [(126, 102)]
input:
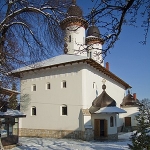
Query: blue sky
[(129, 59)]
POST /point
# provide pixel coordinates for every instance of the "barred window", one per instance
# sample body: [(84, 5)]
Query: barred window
[(64, 84)]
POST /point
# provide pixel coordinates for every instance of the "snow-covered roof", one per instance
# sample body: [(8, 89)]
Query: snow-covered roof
[(61, 59), (12, 113), (65, 59), (8, 91), (112, 109)]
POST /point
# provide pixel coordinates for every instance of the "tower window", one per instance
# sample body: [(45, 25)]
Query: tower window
[(33, 87), (69, 38), (48, 86), (64, 84), (111, 121), (33, 111), (64, 110), (90, 54)]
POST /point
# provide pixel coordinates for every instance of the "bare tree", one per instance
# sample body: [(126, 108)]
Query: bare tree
[(112, 15), (29, 31)]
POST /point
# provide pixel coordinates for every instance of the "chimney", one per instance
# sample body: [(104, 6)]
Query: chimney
[(134, 96), (107, 65)]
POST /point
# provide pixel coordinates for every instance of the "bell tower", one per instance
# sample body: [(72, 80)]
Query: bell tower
[(74, 26), (94, 43)]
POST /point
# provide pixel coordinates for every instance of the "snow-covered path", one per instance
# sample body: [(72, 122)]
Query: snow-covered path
[(68, 144)]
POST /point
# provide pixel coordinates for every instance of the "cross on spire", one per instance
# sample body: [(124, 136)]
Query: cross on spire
[(92, 17), (74, 2)]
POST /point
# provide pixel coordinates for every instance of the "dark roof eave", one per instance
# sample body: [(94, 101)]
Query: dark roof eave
[(89, 61), (17, 116)]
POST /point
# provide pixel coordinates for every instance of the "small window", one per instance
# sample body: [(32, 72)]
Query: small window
[(64, 84), (48, 86), (69, 38), (94, 85), (111, 121), (64, 110), (90, 54), (33, 111), (33, 87)]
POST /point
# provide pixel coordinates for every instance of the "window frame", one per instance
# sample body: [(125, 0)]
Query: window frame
[(64, 110), (34, 87), (48, 86), (94, 85), (70, 38), (33, 111), (64, 84)]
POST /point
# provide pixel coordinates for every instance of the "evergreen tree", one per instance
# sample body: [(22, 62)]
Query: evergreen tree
[(13, 103), (141, 137)]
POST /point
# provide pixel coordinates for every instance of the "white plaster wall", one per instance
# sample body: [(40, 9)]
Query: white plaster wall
[(111, 130), (78, 94), (76, 46), (96, 52), (113, 89), (48, 102), (131, 112), (90, 76)]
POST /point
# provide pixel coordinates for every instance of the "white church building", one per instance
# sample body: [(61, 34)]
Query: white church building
[(73, 95)]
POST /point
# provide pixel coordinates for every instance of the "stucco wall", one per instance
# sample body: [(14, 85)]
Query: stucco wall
[(48, 102), (113, 89), (78, 94), (76, 46), (131, 112)]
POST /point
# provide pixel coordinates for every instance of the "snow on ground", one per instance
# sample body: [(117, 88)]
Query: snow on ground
[(69, 144)]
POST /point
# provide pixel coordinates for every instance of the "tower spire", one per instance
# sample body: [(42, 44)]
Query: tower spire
[(92, 17)]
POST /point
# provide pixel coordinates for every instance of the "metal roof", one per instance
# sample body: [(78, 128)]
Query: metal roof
[(129, 100), (12, 113)]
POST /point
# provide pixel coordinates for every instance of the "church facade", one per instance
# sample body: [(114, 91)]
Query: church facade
[(73, 95)]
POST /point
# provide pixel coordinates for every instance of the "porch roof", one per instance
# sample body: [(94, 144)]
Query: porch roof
[(12, 113), (112, 109)]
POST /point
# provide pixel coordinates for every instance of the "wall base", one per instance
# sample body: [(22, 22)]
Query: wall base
[(83, 135)]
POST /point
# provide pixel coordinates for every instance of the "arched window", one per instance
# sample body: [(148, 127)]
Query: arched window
[(48, 86), (64, 110), (33, 111), (33, 87), (111, 121)]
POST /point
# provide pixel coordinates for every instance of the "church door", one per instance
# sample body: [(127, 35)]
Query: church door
[(127, 121), (100, 128)]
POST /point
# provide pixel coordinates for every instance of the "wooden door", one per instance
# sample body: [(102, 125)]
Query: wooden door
[(100, 128), (127, 121), (96, 128)]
